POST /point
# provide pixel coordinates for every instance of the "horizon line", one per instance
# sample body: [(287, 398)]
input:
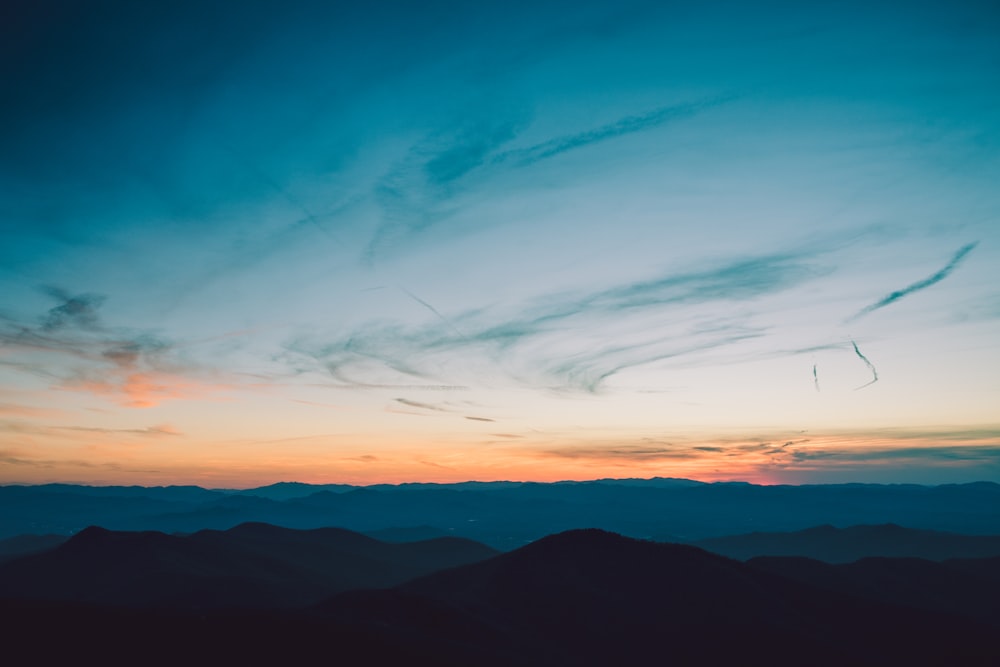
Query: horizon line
[(495, 481)]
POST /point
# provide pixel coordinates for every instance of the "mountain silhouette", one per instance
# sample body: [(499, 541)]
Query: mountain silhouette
[(582, 597), (407, 533), (21, 545), (845, 545), (592, 597), (963, 587), (251, 565)]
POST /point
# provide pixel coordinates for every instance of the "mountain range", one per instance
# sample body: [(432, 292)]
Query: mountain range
[(507, 515), (250, 566), (583, 597), (845, 545), (503, 573)]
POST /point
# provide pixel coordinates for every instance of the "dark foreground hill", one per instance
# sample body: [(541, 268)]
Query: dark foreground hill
[(249, 566), (22, 545), (845, 545), (578, 598), (591, 597), (965, 587)]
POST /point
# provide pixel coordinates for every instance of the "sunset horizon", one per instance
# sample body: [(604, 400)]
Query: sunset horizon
[(441, 242)]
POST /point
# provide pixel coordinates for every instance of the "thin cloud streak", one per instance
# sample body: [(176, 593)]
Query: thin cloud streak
[(135, 368), (78, 311), (430, 308), (422, 406), (154, 431), (869, 364), (895, 451), (623, 126), (980, 453), (933, 279), (531, 337), (415, 194), (18, 410)]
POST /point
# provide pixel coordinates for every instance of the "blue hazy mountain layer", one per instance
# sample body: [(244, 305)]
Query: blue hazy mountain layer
[(506, 515)]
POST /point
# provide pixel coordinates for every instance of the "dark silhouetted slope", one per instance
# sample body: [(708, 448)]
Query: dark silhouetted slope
[(591, 597), (252, 565), (22, 545), (52, 633), (584, 597), (407, 533), (844, 545), (966, 587)]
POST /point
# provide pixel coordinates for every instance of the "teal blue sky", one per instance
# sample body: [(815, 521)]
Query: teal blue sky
[(244, 242)]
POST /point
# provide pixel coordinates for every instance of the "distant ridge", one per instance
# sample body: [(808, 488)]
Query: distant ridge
[(845, 545), (291, 490), (507, 515)]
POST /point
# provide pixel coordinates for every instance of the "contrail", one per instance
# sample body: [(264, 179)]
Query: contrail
[(266, 179), (816, 377), (869, 364), (621, 127), (920, 284), (422, 406), (431, 308)]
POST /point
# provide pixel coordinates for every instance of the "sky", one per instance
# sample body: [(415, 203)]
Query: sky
[(247, 242)]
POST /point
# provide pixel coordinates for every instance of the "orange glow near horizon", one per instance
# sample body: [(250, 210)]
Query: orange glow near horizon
[(160, 456)]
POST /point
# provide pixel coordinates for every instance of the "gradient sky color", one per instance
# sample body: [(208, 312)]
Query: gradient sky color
[(438, 241)]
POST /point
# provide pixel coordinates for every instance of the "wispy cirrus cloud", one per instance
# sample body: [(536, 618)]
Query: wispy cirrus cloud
[(448, 407), (589, 371), (17, 458), (73, 311), (153, 431), (92, 439), (633, 124), (469, 149), (930, 280), (135, 368), (868, 364), (415, 193), (25, 460), (421, 405), (529, 345), (909, 454), (622, 452), (419, 191), (18, 410), (883, 454)]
